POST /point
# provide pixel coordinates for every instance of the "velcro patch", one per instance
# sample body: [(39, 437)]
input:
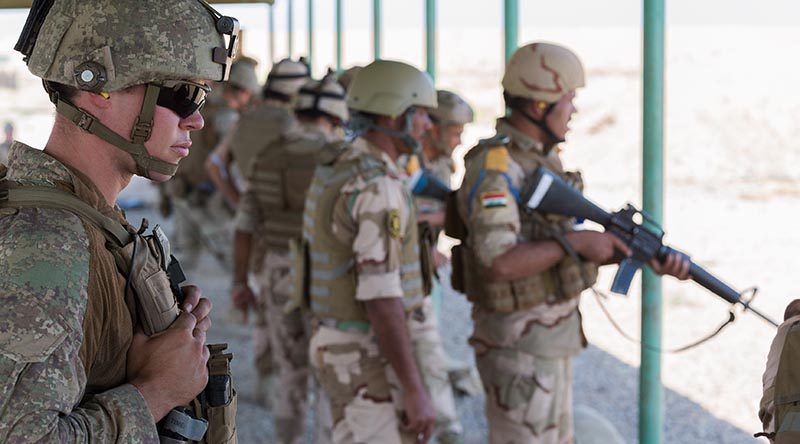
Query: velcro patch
[(497, 159), (494, 199)]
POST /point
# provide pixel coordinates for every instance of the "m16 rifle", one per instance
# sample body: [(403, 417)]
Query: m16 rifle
[(546, 192)]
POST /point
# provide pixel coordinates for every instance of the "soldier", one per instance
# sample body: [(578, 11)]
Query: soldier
[(514, 266), (272, 209), (258, 128), (365, 278), (201, 219), (76, 365)]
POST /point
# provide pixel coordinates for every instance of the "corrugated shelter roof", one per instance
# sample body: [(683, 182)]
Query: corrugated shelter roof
[(6, 4)]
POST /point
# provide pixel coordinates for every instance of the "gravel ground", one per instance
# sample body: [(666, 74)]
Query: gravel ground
[(711, 393)]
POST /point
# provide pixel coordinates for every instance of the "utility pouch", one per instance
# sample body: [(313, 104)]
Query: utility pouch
[(217, 403), (298, 277), (454, 225)]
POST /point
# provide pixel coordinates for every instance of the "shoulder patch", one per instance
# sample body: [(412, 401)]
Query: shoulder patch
[(496, 159)]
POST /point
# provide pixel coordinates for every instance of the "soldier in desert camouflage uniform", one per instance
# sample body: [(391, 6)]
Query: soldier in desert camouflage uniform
[(257, 128), (272, 209), (74, 366), (201, 218), (364, 275), (513, 265)]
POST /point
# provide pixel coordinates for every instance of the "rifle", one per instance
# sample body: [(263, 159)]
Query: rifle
[(546, 192)]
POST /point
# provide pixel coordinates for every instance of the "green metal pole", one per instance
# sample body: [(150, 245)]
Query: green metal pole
[(290, 25), (271, 19), (511, 17), (430, 38), (339, 29), (376, 29), (311, 34), (651, 400)]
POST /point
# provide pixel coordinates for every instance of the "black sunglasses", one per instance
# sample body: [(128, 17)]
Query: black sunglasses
[(181, 96)]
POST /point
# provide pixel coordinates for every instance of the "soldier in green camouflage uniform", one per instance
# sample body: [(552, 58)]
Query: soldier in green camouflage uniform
[(201, 217), (272, 209), (365, 282), (74, 365), (513, 265)]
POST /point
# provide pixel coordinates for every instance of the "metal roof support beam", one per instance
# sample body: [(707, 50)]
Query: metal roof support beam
[(430, 38), (511, 22), (376, 28), (339, 30), (651, 402)]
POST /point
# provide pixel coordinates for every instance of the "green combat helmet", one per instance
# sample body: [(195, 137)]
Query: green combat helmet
[(102, 46), (389, 88), (243, 75), (542, 72), (325, 96)]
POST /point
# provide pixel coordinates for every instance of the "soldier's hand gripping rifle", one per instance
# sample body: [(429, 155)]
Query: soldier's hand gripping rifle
[(548, 193)]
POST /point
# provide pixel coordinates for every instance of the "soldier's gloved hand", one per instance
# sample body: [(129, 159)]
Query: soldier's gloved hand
[(169, 368), (677, 264), (597, 247), (243, 298), (420, 417)]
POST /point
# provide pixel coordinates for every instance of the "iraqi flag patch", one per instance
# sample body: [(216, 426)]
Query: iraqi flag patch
[(494, 199)]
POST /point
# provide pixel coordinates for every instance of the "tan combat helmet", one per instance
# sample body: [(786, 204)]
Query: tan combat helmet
[(346, 78), (243, 75), (326, 96), (102, 46), (286, 78), (452, 109), (389, 88), (543, 72)]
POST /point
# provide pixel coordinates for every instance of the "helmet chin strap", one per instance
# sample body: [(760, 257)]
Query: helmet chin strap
[(142, 128), (405, 136), (542, 125)]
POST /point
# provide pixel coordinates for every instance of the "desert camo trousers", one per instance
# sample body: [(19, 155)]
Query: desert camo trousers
[(201, 228), (433, 364), (528, 398), (281, 345), (362, 388)]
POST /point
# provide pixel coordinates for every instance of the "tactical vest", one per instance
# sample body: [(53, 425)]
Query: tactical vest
[(332, 276), (564, 281), (280, 179), (780, 404), (258, 129), (153, 287)]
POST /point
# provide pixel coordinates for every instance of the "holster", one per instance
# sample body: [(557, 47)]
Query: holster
[(217, 403)]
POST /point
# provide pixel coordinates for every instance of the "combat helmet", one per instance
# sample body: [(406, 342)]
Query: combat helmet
[(243, 75), (392, 89), (102, 46), (451, 110), (542, 72), (346, 77), (325, 96), (286, 78)]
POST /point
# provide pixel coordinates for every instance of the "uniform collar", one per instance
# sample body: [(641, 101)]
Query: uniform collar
[(519, 139), (361, 146)]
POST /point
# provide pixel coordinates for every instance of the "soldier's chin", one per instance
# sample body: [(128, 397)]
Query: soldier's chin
[(158, 177)]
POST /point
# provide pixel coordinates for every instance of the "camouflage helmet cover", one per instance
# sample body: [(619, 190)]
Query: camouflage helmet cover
[(451, 109), (243, 75), (543, 71), (326, 95), (122, 43), (389, 88)]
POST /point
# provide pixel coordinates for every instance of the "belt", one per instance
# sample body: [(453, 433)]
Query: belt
[(346, 326)]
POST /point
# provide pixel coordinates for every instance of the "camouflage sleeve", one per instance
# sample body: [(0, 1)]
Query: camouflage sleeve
[(248, 213), (380, 212), (493, 220), (44, 263)]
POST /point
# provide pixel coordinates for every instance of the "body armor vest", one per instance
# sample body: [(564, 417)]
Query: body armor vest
[(564, 281), (151, 295), (332, 276), (280, 181)]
